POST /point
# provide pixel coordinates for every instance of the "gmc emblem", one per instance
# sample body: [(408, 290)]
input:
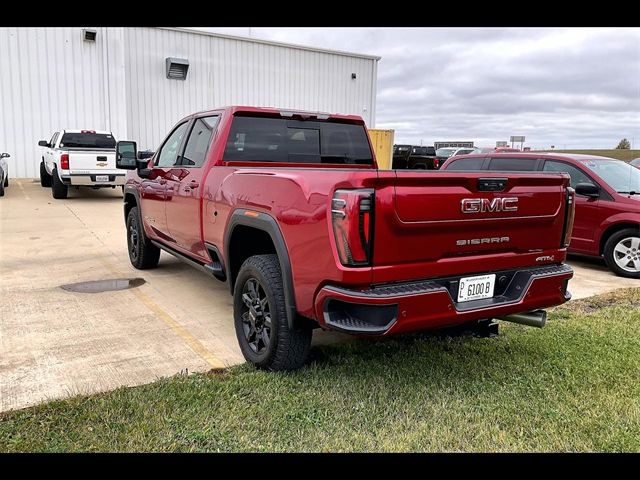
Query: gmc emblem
[(480, 205)]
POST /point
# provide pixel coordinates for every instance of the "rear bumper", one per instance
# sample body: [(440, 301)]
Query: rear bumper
[(427, 304), (90, 179)]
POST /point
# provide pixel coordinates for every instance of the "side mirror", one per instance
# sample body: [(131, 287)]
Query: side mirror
[(43, 143), (588, 190), (4, 155), (126, 155)]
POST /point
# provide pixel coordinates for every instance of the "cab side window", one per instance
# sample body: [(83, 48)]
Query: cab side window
[(577, 176), (52, 142), (514, 164), (467, 164), (199, 140), (169, 151)]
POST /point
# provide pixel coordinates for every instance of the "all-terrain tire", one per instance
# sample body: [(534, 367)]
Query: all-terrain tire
[(287, 348), (59, 190), (2, 189), (6, 181), (142, 253), (625, 261), (45, 178)]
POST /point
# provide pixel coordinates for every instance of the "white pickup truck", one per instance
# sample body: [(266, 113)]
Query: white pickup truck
[(77, 158)]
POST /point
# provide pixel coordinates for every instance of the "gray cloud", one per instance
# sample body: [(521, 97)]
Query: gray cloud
[(573, 87)]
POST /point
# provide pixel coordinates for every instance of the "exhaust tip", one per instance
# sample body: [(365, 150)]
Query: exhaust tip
[(536, 318)]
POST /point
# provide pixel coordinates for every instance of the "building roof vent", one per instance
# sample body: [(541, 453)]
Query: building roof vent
[(89, 34), (177, 68)]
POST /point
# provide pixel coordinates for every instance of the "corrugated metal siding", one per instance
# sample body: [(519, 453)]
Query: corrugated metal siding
[(52, 79), (154, 102), (225, 71)]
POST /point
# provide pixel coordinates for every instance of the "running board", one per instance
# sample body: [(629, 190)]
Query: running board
[(214, 268)]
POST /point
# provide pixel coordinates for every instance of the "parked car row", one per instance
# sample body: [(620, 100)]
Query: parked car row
[(415, 157), (607, 219)]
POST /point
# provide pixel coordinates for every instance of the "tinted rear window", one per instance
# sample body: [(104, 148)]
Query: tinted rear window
[(87, 140), (466, 164), (423, 151), (514, 164), (257, 139)]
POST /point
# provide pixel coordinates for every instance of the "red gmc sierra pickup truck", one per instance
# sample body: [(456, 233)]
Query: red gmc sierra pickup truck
[(290, 209)]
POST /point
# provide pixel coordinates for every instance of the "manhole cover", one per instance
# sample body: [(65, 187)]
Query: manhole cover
[(98, 286)]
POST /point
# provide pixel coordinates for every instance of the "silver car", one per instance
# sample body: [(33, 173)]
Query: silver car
[(4, 173)]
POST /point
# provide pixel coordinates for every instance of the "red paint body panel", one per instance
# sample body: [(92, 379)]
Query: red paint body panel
[(595, 217), (416, 223)]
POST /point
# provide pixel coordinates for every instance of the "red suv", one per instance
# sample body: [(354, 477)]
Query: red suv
[(607, 221)]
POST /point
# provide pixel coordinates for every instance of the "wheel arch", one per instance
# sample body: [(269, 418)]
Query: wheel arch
[(251, 233), (130, 200), (611, 229)]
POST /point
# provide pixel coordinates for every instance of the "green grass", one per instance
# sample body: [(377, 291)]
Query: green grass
[(572, 386), (626, 155)]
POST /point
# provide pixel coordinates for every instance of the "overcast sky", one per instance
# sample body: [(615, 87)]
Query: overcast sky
[(572, 88)]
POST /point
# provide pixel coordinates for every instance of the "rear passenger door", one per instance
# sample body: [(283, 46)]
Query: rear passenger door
[(184, 189), (588, 214)]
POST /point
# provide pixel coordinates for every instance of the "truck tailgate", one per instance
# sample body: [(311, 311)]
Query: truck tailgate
[(95, 161), (430, 222)]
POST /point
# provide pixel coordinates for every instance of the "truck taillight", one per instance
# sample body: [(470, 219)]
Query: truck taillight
[(64, 161), (436, 163), (352, 220), (569, 217)]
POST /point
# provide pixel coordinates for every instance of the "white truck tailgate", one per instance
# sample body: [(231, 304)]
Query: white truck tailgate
[(95, 162)]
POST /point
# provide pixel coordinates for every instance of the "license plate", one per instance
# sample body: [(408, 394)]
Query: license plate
[(475, 288), (102, 178)]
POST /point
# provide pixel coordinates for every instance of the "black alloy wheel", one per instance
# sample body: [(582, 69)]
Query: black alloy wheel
[(256, 316)]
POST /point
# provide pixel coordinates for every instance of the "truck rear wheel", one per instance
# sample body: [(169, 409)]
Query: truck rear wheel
[(622, 253), (58, 189), (142, 253), (261, 320), (45, 178)]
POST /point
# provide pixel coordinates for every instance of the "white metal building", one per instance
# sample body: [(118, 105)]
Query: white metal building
[(55, 78)]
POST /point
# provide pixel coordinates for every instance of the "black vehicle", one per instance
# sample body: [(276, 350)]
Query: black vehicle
[(414, 157), (423, 158), (401, 156)]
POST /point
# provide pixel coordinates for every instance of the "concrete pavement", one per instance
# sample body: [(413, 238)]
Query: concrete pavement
[(55, 343), (592, 277)]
